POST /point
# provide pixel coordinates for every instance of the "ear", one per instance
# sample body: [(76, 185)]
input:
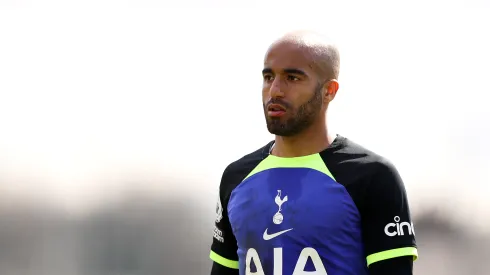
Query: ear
[(331, 87)]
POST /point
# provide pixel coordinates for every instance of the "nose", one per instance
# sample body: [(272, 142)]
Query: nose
[(276, 89)]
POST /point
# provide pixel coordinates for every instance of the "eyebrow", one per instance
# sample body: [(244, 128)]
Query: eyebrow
[(287, 70)]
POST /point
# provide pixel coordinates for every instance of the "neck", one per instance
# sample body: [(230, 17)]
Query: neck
[(308, 142)]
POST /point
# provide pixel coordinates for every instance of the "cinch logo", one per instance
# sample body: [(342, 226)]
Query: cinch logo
[(307, 253), (397, 228), (218, 235)]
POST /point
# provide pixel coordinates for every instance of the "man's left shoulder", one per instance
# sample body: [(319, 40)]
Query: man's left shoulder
[(377, 165), (366, 156), (351, 162)]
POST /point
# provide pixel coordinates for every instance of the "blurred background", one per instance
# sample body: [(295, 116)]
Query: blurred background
[(117, 119)]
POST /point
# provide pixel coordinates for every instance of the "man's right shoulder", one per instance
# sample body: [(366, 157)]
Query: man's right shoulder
[(236, 171)]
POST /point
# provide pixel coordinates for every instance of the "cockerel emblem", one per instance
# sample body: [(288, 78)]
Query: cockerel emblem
[(277, 219)]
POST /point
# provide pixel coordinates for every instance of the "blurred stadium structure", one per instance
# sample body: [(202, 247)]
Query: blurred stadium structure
[(148, 235)]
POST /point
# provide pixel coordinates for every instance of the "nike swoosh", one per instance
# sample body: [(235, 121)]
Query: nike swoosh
[(272, 236)]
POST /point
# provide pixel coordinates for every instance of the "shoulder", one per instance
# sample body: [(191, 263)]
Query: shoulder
[(248, 162), (381, 169), (372, 180), (378, 164), (348, 150), (349, 161), (237, 170)]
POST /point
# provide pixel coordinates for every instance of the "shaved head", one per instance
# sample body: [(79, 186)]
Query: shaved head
[(321, 51)]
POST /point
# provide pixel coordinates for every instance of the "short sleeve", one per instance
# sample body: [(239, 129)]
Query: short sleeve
[(388, 231), (224, 247)]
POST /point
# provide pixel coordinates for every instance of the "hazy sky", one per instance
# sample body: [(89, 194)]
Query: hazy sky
[(96, 92)]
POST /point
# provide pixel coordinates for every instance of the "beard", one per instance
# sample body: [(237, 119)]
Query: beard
[(300, 119)]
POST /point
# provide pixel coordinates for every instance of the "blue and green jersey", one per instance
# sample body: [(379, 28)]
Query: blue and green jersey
[(336, 212)]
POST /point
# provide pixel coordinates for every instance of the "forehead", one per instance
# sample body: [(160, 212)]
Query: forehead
[(283, 55)]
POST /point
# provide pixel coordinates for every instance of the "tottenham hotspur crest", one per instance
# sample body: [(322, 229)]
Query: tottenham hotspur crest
[(219, 210), (277, 219)]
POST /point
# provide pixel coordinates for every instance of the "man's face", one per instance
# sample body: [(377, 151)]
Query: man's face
[(292, 94)]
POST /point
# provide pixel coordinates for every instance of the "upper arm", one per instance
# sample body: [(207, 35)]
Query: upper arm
[(224, 246), (388, 231)]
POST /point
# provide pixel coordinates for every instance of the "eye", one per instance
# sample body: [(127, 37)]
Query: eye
[(268, 77), (292, 78)]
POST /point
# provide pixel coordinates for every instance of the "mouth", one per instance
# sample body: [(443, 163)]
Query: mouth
[(276, 110)]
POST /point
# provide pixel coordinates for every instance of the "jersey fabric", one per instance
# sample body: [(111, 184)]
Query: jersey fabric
[(335, 212)]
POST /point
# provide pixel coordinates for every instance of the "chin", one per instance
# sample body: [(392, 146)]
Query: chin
[(279, 131)]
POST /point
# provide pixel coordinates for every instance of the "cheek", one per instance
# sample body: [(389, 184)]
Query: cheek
[(265, 94), (300, 98)]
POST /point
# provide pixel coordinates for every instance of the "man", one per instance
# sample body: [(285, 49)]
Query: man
[(310, 202)]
